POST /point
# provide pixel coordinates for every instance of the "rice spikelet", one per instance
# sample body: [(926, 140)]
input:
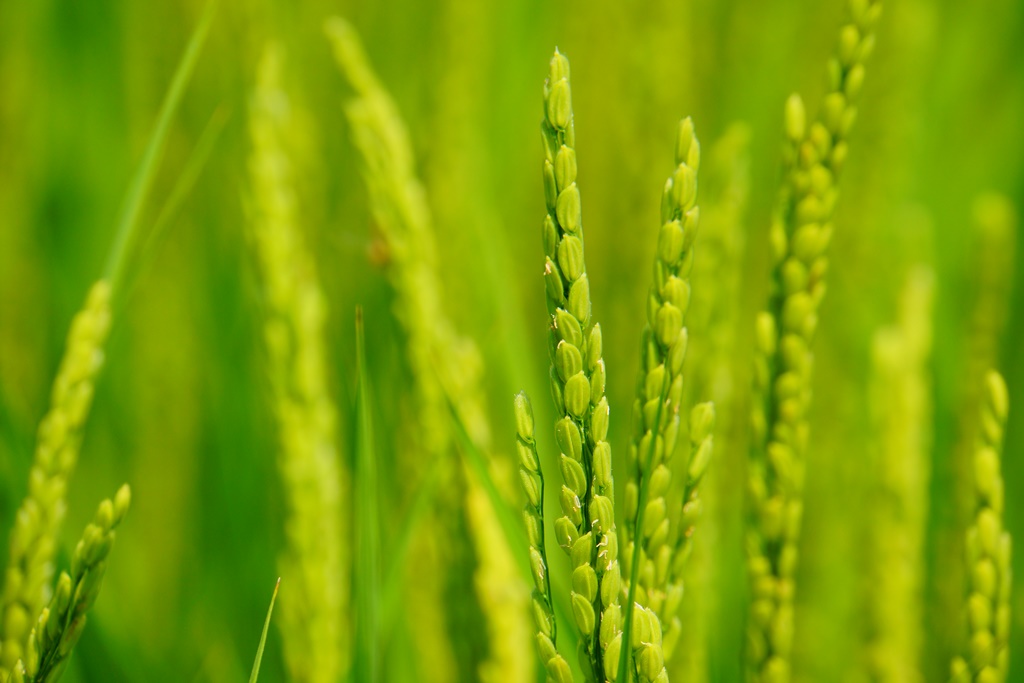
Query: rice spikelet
[(312, 564)]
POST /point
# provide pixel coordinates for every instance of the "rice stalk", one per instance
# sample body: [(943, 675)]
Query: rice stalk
[(532, 480), (33, 540), (263, 636), (313, 562), (717, 371), (586, 529), (991, 266), (799, 235), (61, 623), (988, 549), (514, 534), (446, 371), (901, 423), (653, 558)]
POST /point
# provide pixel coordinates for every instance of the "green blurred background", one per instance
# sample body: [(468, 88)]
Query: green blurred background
[(182, 409)]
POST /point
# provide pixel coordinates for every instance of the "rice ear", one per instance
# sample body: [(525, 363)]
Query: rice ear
[(814, 155)]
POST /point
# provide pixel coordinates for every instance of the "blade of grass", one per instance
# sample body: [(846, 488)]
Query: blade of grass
[(194, 167), (366, 570), (142, 182), (263, 637), (391, 591)]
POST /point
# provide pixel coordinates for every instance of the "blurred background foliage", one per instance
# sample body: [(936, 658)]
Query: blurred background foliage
[(182, 410)]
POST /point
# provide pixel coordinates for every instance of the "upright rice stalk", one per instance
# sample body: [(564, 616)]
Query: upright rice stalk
[(716, 371), (799, 236), (586, 529), (313, 561), (653, 558), (991, 265), (988, 549), (902, 424), (61, 623), (446, 371)]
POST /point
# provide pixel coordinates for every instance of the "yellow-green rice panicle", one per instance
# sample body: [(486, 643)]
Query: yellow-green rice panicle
[(401, 214), (994, 231), (991, 266), (400, 210), (986, 657), (656, 422), (311, 612), (33, 541), (901, 423), (532, 480), (446, 368), (399, 206), (60, 624), (798, 237), (586, 529), (716, 367)]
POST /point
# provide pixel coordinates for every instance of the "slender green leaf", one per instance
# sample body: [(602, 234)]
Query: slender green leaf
[(391, 591), (367, 566), (263, 636), (142, 182), (182, 187)]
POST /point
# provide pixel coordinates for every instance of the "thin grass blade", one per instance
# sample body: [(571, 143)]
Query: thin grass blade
[(366, 577), (263, 637), (142, 182), (419, 509), (194, 167)]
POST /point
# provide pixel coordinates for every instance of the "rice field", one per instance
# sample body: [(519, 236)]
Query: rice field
[(511, 342)]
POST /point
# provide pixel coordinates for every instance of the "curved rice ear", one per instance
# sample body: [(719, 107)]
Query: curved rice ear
[(30, 567), (532, 481), (60, 624)]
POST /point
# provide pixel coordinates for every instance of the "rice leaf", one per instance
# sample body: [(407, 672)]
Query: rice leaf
[(194, 167), (142, 182), (367, 566), (263, 636), (419, 509)]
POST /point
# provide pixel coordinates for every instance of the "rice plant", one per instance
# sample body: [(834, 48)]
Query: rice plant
[(712, 397)]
